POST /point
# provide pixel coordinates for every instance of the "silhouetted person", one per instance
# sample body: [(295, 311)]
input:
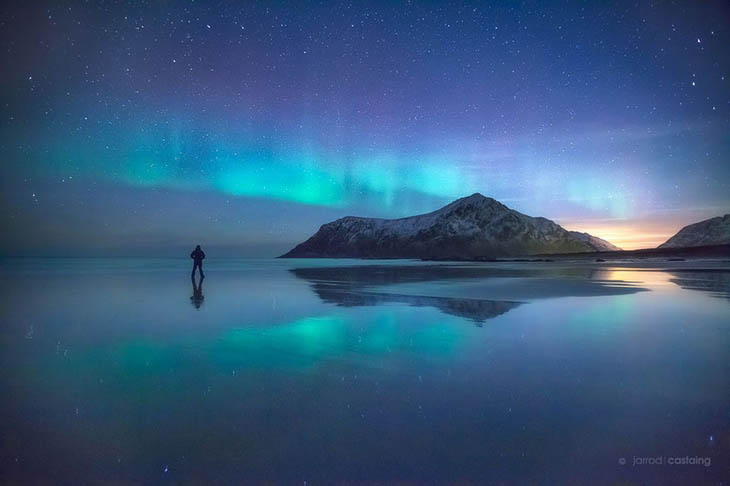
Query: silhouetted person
[(197, 297), (198, 256)]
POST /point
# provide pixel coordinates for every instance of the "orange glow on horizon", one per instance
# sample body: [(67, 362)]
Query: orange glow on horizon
[(643, 232), (629, 236)]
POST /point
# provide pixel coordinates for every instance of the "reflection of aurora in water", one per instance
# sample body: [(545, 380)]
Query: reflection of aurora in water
[(321, 376), (298, 344), (307, 341)]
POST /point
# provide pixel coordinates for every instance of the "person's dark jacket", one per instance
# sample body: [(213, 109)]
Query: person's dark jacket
[(198, 255)]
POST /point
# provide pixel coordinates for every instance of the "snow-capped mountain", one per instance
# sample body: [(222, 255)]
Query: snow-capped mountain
[(597, 243), (713, 231), (470, 227)]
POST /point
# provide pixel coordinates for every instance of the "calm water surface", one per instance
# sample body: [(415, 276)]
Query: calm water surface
[(331, 370)]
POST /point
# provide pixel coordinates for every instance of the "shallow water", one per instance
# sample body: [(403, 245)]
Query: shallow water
[(329, 370)]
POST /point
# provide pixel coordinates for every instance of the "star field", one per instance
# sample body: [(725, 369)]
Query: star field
[(133, 127)]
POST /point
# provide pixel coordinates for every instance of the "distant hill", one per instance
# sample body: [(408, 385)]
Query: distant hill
[(713, 231), (470, 227)]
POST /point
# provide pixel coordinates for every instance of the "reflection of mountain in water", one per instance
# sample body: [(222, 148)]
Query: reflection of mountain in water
[(506, 287), (359, 276), (715, 282), (475, 309), (348, 286)]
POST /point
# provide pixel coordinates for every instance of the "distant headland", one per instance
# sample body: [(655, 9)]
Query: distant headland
[(481, 228)]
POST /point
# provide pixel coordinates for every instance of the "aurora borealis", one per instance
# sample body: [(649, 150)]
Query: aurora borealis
[(145, 128)]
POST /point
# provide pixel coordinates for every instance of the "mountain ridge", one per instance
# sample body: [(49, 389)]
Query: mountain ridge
[(712, 231), (472, 226)]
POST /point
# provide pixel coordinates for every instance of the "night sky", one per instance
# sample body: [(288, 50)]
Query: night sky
[(144, 128)]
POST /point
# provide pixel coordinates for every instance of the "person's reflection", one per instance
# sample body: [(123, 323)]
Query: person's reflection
[(197, 297)]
